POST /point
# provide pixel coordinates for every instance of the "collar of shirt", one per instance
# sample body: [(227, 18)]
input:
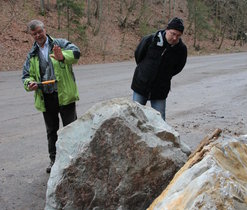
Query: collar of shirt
[(44, 49)]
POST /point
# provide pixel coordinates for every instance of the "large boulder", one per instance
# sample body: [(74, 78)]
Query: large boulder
[(118, 155), (215, 178)]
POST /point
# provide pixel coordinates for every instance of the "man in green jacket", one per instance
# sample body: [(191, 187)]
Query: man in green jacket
[(48, 72)]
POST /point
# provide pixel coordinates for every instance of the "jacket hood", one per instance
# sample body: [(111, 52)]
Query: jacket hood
[(161, 34)]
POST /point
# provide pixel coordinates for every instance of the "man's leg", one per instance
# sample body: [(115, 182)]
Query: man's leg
[(160, 106), (52, 125), (68, 113), (139, 98)]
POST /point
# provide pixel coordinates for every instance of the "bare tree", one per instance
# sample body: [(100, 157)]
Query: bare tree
[(174, 7), (48, 4), (164, 7), (126, 12), (239, 21), (223, 30), (98, 14), (229, 19), (72, 12), (58, 14), (42, 7), (170, 8), (13, 15), (224, 21), (68, 20), (198, 18), (89, 12)]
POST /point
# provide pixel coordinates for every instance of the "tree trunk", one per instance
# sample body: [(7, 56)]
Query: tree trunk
[(214, 38), (99, 17), (58, 16), (174, 6), (195, 25), (89, 12), (42, 7), (121, 7), (164, 8), (245, 34), (68, 21), (48, 5), (237, 30), (222, 36), (170, 8)]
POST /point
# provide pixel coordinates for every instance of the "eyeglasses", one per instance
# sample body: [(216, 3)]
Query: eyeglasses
[(38, 32), (174, 34)]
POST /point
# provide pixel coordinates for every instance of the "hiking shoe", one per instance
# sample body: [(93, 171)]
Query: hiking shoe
[(48, 169)]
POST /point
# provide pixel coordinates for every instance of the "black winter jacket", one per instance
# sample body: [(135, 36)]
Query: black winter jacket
[(157, 62)]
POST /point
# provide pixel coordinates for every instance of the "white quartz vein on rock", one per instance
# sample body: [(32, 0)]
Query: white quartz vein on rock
[(218, 181)]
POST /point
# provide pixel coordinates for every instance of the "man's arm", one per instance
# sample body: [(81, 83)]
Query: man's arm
[(28, 82), (70, 52), (182, 61), (141, 49)]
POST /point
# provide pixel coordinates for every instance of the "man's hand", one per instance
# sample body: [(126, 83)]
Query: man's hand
[(32, 86), (58, 55)]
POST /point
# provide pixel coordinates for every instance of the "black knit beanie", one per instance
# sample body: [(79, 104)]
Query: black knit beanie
[(177, 24)]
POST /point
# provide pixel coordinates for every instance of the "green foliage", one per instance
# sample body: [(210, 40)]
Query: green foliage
[(217, 19), (73, 11), (42, 13), (144, 25), (76, 6), (199, 17), (145, 28), (81, 31)]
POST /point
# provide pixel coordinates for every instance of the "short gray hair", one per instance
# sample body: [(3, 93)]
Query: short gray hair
[(34, 24)]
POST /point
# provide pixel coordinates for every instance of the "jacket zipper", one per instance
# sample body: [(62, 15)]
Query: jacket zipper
[(163, 52)]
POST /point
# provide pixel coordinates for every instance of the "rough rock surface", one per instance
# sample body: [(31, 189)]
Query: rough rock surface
[(118, 155), (215, 178)]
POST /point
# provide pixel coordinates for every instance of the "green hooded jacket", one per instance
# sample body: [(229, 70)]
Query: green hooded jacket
[(66, 85)]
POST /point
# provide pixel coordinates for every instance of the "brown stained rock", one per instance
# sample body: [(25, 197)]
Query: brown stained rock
[(113, 157), (116, 170), (201, 150)]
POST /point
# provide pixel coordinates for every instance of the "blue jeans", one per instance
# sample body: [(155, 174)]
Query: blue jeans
[(159, 105)]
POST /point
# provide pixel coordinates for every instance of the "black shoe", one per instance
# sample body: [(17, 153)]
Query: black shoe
[(48, 169)]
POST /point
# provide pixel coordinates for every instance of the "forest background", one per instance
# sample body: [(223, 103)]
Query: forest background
[(109, 30)]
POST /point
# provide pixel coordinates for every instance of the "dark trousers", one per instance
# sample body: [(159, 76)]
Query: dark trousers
[(51, 117)]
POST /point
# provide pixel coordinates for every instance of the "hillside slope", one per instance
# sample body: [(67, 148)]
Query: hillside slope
[(115, 41)]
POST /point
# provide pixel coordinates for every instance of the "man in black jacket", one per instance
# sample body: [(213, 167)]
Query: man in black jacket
[(159, 57)]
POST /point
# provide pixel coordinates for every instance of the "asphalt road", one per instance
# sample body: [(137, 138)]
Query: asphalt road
[(209, 93)]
